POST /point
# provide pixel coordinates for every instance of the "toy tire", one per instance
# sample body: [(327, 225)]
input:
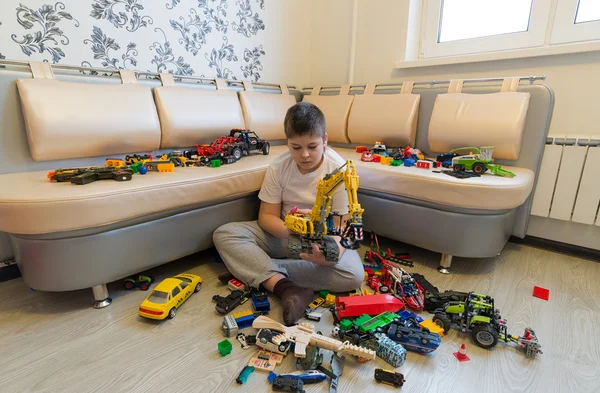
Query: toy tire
[(384, 289), (442, 321), (485, 336), (145, 286), (172, 313), (266, 148), (457, 168), (236, 153), (129, 285), (198, 287), (478, 168)]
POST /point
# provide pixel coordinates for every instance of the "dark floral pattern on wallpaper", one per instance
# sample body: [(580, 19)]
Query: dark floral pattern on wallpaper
[(249, 24), (165, 59), (102, 45), (253, 64), (46, 18), (208, 17), (112, 10)]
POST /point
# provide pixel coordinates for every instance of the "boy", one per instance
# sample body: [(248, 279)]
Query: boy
[(252, 251)]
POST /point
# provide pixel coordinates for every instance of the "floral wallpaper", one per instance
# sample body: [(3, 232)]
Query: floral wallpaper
[(224, 38)]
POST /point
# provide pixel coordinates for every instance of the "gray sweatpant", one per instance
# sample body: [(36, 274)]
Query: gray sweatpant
[(253, 255)]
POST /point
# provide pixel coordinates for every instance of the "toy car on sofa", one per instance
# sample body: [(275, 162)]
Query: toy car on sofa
[(169, 295)]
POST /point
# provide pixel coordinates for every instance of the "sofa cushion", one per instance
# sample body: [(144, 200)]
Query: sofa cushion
[(336, 110), (391, 118), (73, 120), (495, 119), (488, 192), (264, 112), (184, 124), (31, 204)]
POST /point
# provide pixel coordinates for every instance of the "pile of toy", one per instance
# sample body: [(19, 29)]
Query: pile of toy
[(226, 149), (474, 164)]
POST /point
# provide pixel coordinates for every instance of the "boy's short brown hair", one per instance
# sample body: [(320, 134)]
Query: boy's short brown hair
[(304, 118)]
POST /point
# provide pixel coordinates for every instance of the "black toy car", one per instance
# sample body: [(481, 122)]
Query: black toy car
[(249, 143), (389, 377), (286, 383), (435, 301), (231, 301)]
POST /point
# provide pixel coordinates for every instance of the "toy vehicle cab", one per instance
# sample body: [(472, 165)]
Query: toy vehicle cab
[(169, 295), (367, 156), (389, 377), (264, 339), (249, 142)]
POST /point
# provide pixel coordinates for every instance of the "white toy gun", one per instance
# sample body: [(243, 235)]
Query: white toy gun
[(303, 335)]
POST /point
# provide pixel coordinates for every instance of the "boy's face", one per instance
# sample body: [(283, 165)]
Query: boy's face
[(307, 151)]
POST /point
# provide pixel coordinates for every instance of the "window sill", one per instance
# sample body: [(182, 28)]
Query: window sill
[(579, 47)]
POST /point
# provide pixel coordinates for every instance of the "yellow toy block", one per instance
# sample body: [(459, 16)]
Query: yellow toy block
[(386, 160), (242, 314), (433, 327), (330, 300), (116, 162), (166, 167)]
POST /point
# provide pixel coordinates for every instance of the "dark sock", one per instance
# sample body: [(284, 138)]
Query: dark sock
[(294, 299), (225, 277)]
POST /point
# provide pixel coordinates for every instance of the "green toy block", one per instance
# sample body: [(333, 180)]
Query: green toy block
[(215, 163), (396, 163), (323, 293), (224, 347), (345, 324)]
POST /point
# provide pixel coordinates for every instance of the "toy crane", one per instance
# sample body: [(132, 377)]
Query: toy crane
[(313, 228)]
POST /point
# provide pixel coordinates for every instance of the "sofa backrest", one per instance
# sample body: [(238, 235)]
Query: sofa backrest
[(388, 117), (495, 119), (266, 112), (73, 120), (82, 126), (194, 116), (336, 110)]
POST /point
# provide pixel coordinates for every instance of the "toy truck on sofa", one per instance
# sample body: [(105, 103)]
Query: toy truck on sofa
[(479, 161), (83, 176)]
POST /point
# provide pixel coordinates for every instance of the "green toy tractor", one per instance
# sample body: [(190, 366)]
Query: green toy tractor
[(476, 315), (479, 160), (140, 281)]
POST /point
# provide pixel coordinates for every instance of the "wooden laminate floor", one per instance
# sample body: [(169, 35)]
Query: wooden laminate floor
[(56, 342)]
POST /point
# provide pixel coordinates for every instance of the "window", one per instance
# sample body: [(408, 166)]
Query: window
[(183, 285), (158, 297), (175, 292), (467, 27)]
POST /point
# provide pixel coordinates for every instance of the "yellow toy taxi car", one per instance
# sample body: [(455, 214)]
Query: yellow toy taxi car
[(167, 296)]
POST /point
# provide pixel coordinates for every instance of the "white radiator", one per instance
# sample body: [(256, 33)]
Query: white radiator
[(568, 186)]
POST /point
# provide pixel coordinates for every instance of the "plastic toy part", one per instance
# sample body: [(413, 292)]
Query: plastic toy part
[(224, 347), (215, 163), (461, 355), (244, 374), (361, 149), (141, 282), (389, 377), (542, 293)]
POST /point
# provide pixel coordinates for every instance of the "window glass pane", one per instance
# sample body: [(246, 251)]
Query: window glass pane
[(463, 19), (587, 11)]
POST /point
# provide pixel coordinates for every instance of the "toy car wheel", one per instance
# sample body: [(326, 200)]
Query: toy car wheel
[(198, 287), (442, 321), (479, 168), (129, 285), (424, 341), (384, 289), (144, 286), (236, 153), (458, 168), (485, 336), (281, 348), (172, 313), (266, 148)]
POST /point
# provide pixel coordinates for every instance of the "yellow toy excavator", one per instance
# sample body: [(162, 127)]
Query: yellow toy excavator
[(314, 227)]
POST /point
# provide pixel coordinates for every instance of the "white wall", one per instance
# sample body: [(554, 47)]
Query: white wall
[(381, 39), (243, 39)]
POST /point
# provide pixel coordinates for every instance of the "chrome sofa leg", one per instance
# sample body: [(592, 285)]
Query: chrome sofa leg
[(445, 262), (101, 296)]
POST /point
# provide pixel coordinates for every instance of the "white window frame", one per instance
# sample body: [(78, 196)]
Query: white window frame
[(565, 30), (535, 36)]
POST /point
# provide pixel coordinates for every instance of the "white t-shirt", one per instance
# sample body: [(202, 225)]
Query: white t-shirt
[(285, 184)]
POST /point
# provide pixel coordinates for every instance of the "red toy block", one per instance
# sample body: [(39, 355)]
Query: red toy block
[(355, 306), (361, 149), (540, 292)]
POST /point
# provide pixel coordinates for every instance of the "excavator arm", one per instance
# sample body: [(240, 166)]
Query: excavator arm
[(313, 227)]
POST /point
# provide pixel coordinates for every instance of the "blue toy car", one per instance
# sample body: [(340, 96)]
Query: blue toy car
[(413, 338), (260, 303)]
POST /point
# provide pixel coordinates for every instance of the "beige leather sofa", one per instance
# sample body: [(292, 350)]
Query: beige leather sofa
[(68, 237)]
